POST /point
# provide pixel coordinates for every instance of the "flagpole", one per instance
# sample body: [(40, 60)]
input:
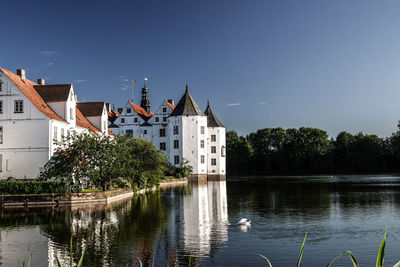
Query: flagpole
[(132, 90)]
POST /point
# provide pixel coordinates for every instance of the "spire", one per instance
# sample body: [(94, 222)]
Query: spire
[(212, 120), (145, 102), (187, 106)]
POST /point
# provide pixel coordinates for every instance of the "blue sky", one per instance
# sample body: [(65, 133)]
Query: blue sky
[(328, 64)]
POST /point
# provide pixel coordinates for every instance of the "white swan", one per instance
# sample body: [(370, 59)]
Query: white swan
[(244, 221)]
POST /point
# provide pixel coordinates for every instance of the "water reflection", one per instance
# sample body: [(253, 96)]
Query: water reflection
[(191, 224), (205, 218)]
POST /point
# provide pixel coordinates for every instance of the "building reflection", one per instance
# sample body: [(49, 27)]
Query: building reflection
[(205, 218)]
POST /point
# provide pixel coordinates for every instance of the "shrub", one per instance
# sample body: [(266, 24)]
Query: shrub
[(32, 187), (121, 183)]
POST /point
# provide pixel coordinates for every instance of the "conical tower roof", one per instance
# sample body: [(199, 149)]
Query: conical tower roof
[(212, 120), (187, 106)]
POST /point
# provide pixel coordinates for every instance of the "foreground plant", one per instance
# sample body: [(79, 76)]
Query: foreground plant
[(298, 259), (71, 258), (380, 258)]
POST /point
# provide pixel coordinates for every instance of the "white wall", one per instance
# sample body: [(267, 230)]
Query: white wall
[(220, 167), (191, 140)]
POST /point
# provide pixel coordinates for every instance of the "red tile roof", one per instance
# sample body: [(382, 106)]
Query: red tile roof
[(141, 112), (169, 104), (83, 122), (27, 88)]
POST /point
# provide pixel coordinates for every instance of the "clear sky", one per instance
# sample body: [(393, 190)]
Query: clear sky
[(329, 64)]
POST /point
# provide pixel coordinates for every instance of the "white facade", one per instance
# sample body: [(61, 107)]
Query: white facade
[(183, 132), (28, 125)]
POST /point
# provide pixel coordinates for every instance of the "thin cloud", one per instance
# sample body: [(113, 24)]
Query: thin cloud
[(262, 103), (232, 104), (50, 64), (80, 81), (48, 53), (126, 80)]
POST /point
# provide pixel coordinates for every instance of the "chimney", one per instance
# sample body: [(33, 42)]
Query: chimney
[(41, 81), (108, 107), (171, 101), (21, 73), (120, 110)]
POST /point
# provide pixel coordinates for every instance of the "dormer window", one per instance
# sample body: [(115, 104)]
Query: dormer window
[(128, 110), (164, 110)]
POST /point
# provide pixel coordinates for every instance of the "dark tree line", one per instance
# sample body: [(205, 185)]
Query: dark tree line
[(309, 150)]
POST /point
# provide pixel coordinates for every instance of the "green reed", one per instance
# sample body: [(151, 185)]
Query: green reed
[(379, 258)]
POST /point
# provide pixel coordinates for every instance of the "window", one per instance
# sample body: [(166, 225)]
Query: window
[(71, 113), (8, 165), (55, 133), (157, 119), (164, 110), (202, 159), (122, 120), (213, 138), (135, 120), (105, 126), (68, 132), (128, 110), (201, 143), (202, 129), (213, 149), (176, 129), (176, 159), (62, 133), (18, 106), (1, 106), (162, 146), (1, 162), (1, 85), (223, 151), (162, 132), (213, 162), (164, 119), (176, 143), (1, 134), (129, 132)]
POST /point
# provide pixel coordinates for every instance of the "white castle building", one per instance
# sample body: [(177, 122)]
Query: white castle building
[(32, 115), (182, 131)]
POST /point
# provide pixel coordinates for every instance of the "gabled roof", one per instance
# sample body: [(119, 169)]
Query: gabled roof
[(141, 112), (54, 92), (169, 104), (83, 122), (90, 109), (187, 106), (212, 120), (27, 88), (145, 124), (113, 125)]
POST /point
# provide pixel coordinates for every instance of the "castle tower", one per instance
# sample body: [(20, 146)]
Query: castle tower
[(216, 151), (188, 140), (145, 102)]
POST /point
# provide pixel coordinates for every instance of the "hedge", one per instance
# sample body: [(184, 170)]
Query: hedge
[(31, 187)]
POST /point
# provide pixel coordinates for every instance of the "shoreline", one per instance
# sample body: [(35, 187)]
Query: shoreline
[(55, 200)]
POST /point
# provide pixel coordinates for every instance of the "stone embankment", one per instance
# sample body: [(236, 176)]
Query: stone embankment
[(49, 200)]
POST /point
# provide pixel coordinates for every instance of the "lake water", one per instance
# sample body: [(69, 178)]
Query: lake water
[(196, 224)]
